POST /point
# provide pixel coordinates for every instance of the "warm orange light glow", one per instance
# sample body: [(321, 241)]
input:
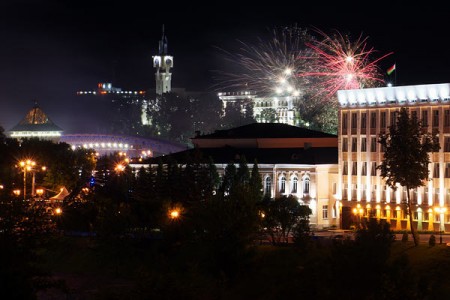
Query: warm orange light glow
[(174, 214), (39, 192), (16, 192), (58, 211), (119, 167)]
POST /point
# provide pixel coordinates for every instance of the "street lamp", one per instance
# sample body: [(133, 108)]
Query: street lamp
[(40, 192), (358, 212), (441, 211), (26, 165), (174, 214)]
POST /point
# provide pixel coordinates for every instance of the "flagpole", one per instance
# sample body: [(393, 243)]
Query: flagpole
[(395, 75)]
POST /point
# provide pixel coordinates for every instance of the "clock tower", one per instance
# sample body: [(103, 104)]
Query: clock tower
[(162, 63)]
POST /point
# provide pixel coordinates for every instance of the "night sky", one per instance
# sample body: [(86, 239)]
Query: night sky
[(49, 49)]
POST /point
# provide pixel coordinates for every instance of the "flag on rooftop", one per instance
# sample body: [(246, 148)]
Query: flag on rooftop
[(391, 69)]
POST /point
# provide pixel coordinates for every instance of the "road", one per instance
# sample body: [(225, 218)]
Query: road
[(423, 237)]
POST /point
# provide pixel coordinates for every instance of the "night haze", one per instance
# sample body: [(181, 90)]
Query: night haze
[(50, 49)]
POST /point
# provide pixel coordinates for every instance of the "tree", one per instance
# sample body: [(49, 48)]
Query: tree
[(256, 182), (269, 115), (281, 216), (406, 157)]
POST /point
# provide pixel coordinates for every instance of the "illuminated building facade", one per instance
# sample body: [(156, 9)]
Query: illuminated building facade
[(283, 106), (363, 115), (291, 161), (36, 124), (132, 146)]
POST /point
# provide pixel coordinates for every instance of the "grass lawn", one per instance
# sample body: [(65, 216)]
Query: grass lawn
[(129, 270)]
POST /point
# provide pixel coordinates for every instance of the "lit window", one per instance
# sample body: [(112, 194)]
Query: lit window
[(294, 184), (306, 185)]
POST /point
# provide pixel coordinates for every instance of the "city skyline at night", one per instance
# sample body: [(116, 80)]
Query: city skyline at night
[(51, 49)]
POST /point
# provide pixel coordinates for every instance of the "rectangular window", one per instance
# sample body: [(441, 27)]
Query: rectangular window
[(393, 118), (364, 144), (447, 170), (416, 216), (363, 120), (394, 214), (354, 145), (447, 118), (334, 188), (354, 120), (363, 192), (345, 170), (424, 118), (325, 212), (383, 119), (447, 197), (373, 120), (355, 168), (344, 121), (373, 171), (373, 144), (426, 216), (344, 144), (436, 170), (364, 168), (436, 118), (447, 144)]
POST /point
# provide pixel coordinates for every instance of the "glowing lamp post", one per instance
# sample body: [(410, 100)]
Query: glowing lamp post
[(58, 211), (40, 192), (441, 211), (26, 165), (174, 214), (358, 212)]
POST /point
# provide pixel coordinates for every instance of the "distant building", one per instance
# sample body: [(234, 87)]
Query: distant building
[(282, 105), (291, 160), (36, 124), (163, 62), (132, 146), (122, 108)]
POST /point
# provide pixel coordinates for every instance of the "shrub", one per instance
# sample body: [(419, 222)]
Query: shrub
[(405, 237), (432, 241)]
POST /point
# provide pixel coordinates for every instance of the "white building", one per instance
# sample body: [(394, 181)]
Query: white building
[(363, 115), (291, 160)]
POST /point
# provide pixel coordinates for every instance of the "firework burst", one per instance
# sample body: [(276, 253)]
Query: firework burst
[(269, 67), (340, 64)]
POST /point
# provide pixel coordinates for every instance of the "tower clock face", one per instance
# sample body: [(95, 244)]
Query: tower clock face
[(168, 62), (156, 62)]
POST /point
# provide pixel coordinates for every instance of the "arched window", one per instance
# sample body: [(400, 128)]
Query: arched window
[(294, 185), (306, 185), (268, 185), (282, 184)]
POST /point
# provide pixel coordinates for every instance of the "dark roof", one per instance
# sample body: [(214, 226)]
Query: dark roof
[(36, 120), (225, 155), (266, 130)]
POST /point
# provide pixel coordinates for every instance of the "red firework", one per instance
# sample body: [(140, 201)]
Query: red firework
[(339, 63)]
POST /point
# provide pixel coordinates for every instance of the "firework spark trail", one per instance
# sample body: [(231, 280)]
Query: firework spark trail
[(264, 66), (342, 64)]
